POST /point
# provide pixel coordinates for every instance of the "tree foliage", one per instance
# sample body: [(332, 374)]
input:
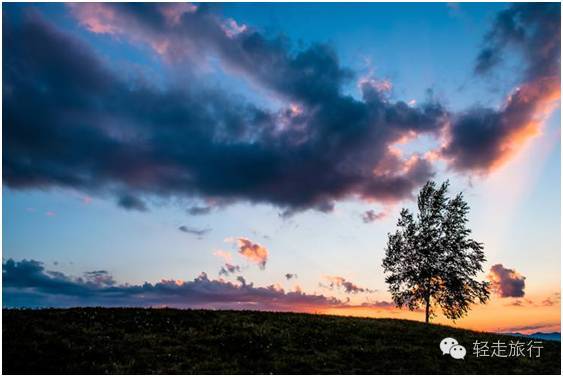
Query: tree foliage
[(431, 260)]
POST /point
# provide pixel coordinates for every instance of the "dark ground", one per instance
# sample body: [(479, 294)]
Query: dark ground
[(97, 340)]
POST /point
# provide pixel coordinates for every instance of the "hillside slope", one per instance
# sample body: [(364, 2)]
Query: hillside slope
[(97, 340)]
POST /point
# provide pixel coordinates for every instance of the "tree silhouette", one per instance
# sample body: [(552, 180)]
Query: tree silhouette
[(431, 260)]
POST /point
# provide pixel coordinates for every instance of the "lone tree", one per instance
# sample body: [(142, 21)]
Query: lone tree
[(431, 260)]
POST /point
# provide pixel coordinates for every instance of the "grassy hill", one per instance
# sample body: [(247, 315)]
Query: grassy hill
[(97, 340)]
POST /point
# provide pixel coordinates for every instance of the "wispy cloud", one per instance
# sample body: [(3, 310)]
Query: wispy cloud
[(554, 299), (229, 269), (194, 231), (370, 216), (225, 255), (348, 286), (198, 210), (537, 327), (551, 300)]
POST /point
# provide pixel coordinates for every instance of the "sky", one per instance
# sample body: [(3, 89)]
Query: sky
[(256, 156)]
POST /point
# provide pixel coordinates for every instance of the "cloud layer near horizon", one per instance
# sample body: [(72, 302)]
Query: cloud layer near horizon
[(72, 121), (27, 283)]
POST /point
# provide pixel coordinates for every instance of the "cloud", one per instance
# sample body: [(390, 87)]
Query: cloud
[(506, 282), (197, 232), (252, 251), (542, 326), (520, 303), (195, 141), (552, 300), (348, 286), (225, 255), (241, 280), (378, 305), (482, 138), (371, 216), (229, 269), (30, 273), (130, 202), (289, 276), (27, 283), (197, 210), (100, 277)]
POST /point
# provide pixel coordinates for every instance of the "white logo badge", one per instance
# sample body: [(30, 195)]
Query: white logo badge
[(453, 348)]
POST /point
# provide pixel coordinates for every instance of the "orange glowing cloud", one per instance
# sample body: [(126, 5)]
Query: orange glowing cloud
[(540, 98), (252, 251), (483, 139)]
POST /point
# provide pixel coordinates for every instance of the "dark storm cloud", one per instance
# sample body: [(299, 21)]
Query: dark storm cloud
[(194, 231), (27, 283), (506, 282), (482, 138), (69, 121)]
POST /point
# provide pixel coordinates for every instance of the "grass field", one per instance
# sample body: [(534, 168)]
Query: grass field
[(97, 340)]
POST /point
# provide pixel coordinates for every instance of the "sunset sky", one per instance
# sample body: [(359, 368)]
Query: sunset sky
[(256, 156)]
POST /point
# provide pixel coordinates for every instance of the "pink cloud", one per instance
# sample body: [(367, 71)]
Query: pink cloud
[(173, 12), (225, 255), (96, 17)]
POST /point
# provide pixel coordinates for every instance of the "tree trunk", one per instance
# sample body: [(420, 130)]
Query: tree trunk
[(428, 309)]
